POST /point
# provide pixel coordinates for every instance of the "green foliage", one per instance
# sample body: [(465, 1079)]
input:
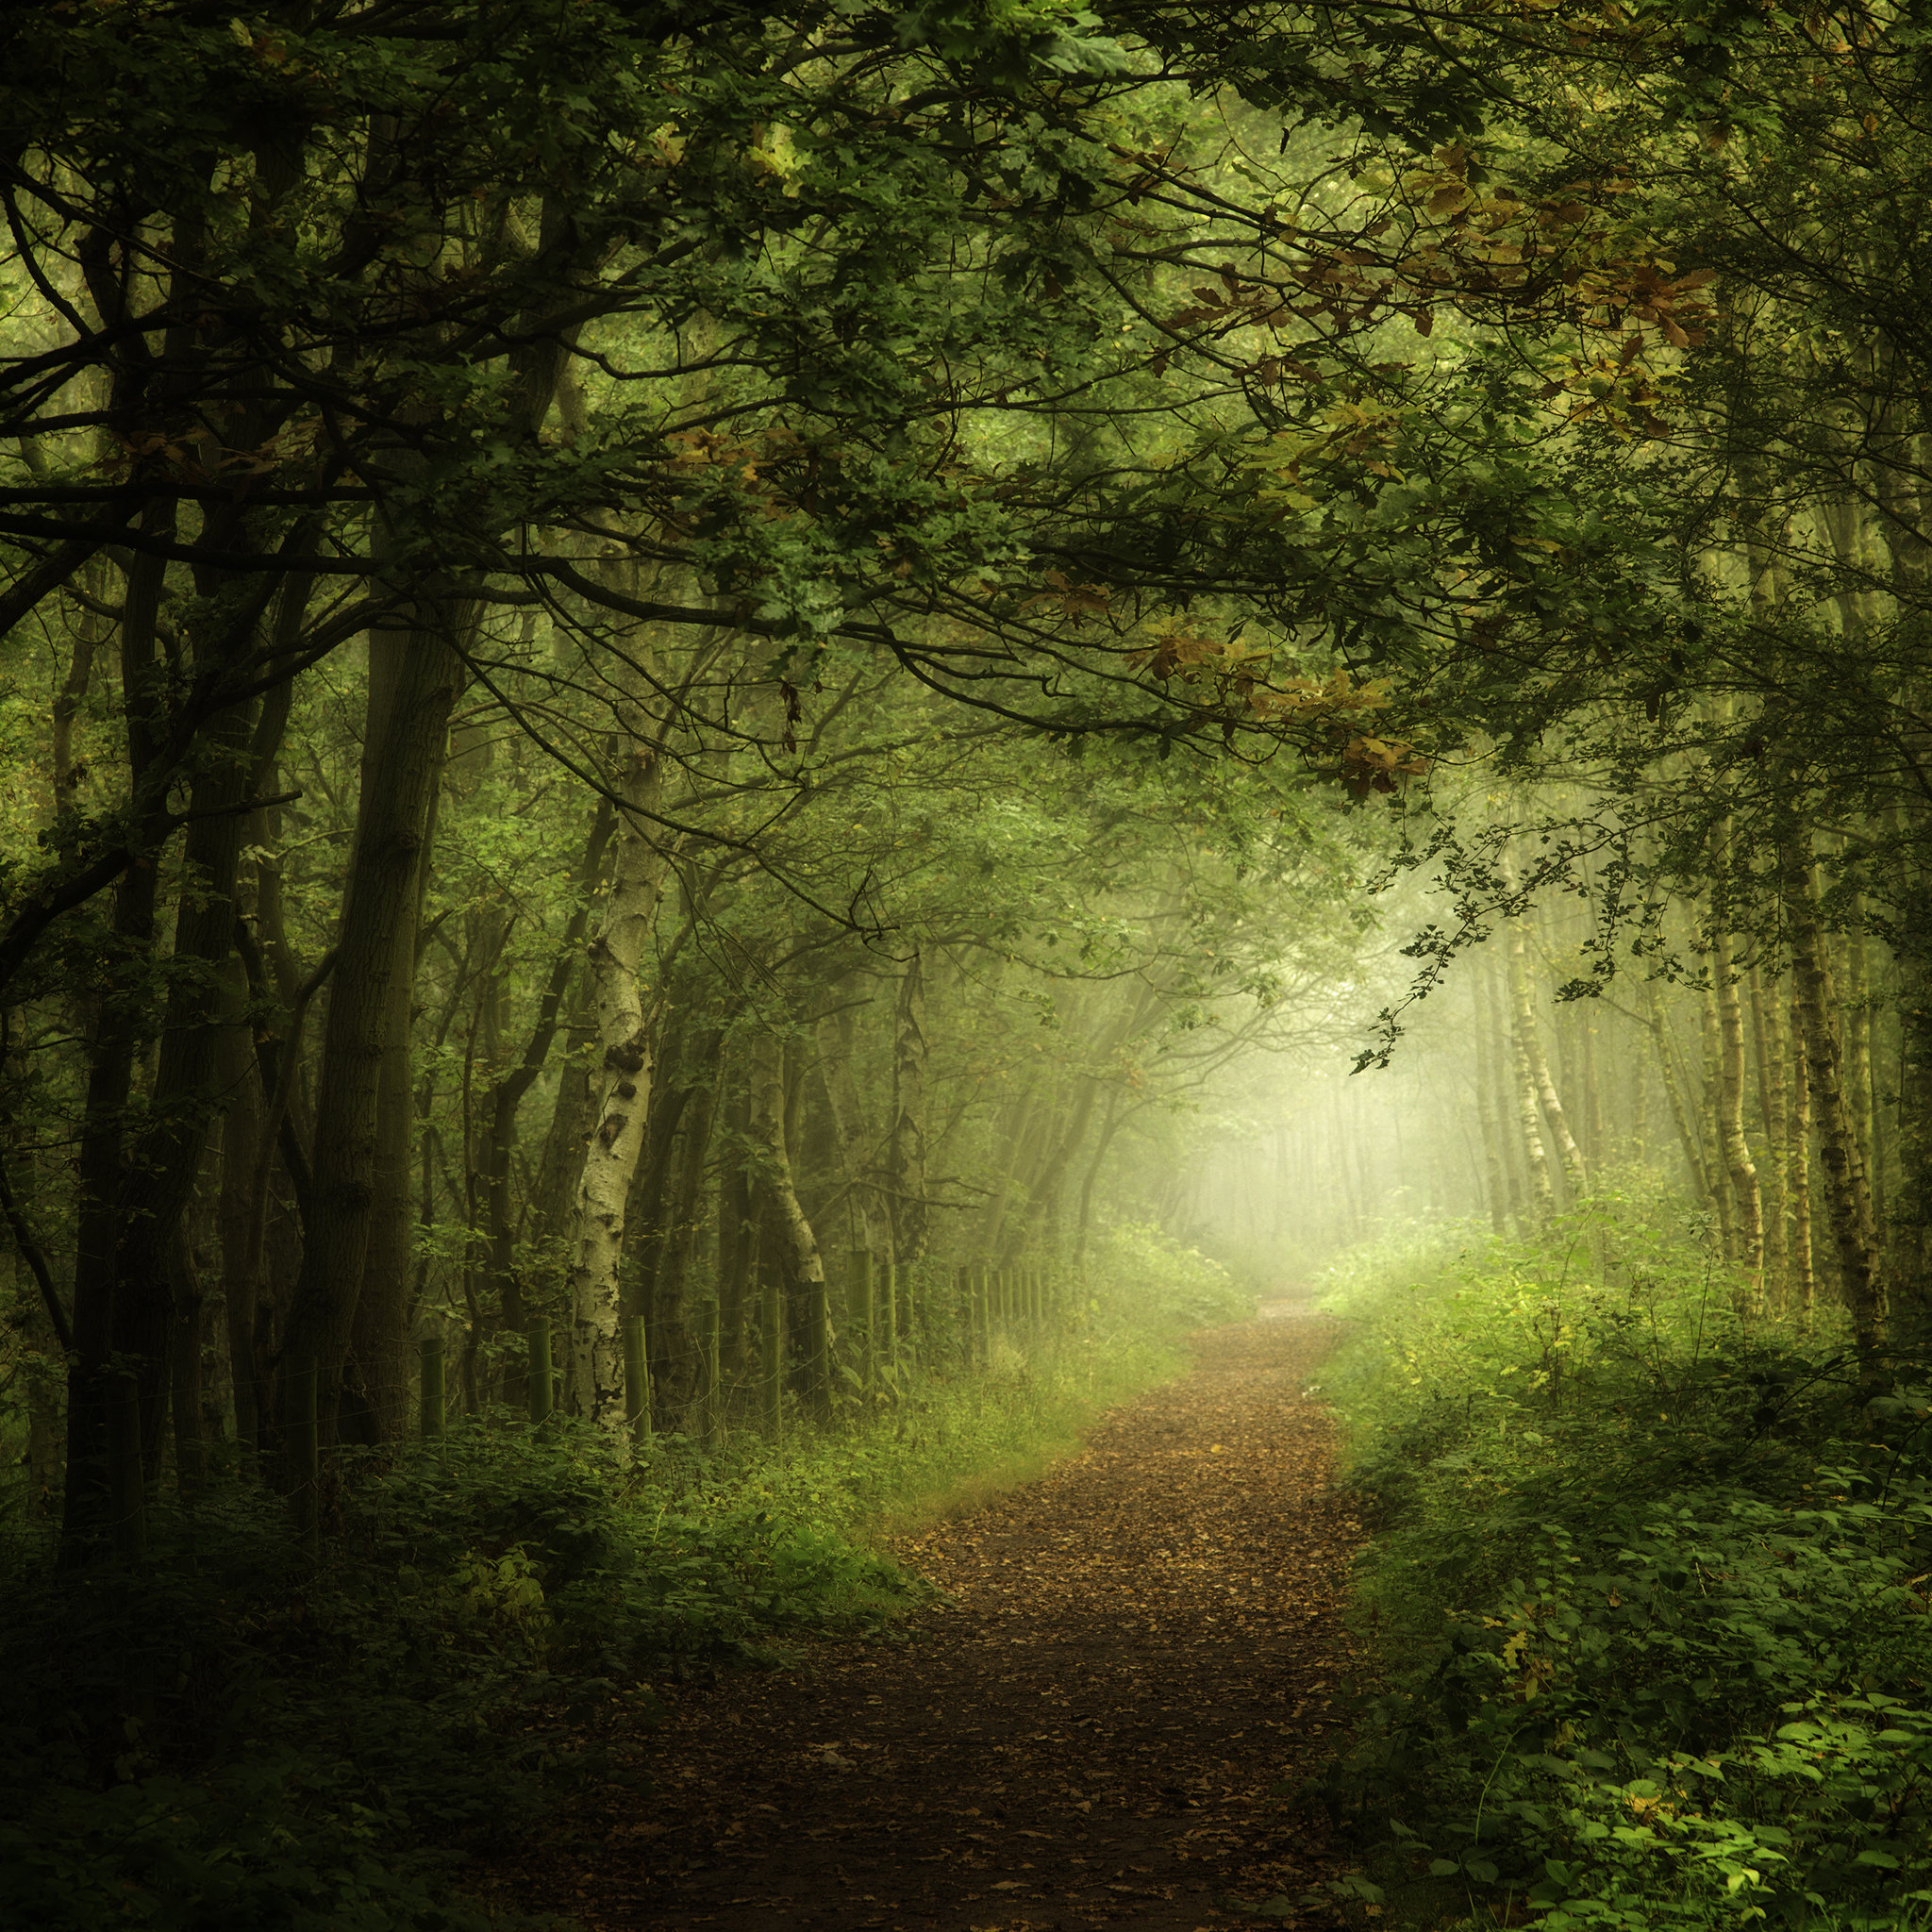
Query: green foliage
[(261, 1842), (232, 1738), (1646, 1592), (1152, 1280)]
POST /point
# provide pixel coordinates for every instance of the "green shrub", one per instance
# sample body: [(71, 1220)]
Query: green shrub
[(232, 1735), (1151, 1281), (1647, 1591)]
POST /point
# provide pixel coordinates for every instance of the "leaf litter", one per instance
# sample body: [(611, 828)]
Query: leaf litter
[(1133, 1665)]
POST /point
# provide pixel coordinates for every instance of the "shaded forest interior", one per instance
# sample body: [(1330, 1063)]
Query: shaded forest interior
[(745, 748)]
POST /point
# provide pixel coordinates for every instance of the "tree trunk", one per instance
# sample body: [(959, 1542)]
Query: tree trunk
[(1746, 1200), (103, 1324), (804, 1263), (1486, 1116), (1909, 1233), (1711, 1130), (240, 1133), (1804, 1280), (1083, 1222), (858, 1150), (911, 1220), (1043, 1188), (506, 1093), (1506, 1091), (620, 1089), (1768, 1041), (737, 1230), (546, 1218), (648, 1212), (1848, 1203), (413, 682), (1858, 1051), (376, 1381), (1542, 1196), (1688, 1139), (670, 1310), (1533, 1063)]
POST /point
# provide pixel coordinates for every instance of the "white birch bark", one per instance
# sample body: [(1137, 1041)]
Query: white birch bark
[(621, 1094)]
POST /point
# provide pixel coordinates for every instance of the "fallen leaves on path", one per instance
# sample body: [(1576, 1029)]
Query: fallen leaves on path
[(1140, 1649)]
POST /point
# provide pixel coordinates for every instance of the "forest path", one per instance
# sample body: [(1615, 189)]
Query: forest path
[(1139, 1645)]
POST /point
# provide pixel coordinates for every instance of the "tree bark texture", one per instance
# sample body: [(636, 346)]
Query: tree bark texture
[(1747, 1202), (911, 1220), (1768, 1043), (1496, 1185), (1848, 1202), (414, 680), (508, 1091), (1542, 1194), (620, 1091), (805, 1267), (1909, 1231), (1804, 1279), (1690, 1140), (1536, 1065)]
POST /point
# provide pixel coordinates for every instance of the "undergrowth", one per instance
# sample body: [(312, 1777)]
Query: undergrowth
[(234, 1737), (1647, 1587)]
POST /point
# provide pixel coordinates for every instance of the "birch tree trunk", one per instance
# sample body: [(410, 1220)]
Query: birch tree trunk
[(1486, 1121), (620, 1091), (1804, 1281), (1747, 1201), (1767, 1031), (1710, 1127), (1533, 1061), (1522, 1040), (1494, 1022)]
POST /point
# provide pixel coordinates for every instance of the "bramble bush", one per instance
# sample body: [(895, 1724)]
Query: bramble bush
[(1648, 1588)]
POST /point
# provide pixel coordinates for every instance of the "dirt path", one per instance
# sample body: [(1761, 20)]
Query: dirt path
[(1140, 1646)]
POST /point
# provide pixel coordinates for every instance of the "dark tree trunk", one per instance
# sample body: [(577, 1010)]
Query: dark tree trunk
[(414, 677), (911, 1218), (737, 1230), (1847, 1200), (506, 1094)]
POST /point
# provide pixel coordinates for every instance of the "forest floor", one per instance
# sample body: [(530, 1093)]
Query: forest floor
[(1135, 1656)]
